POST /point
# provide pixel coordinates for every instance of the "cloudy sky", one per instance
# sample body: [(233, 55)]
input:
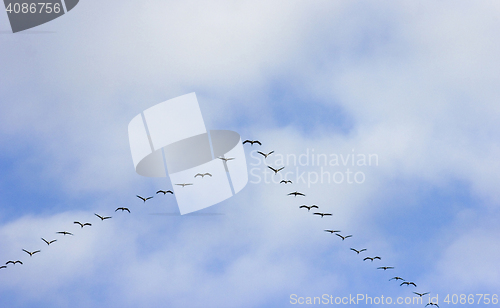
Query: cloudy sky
[(415, 85)]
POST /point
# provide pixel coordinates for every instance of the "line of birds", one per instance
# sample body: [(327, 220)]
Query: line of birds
[(337, 232)]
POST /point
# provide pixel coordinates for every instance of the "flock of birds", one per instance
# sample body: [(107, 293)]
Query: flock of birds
[(294, 193), (337, 232)]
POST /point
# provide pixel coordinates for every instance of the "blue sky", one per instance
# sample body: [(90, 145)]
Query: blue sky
[(416, 84)]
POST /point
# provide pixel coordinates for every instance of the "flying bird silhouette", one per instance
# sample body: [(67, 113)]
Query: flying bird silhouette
[(385, 267), (371, 258), (332, 231), (64, 233), (397, 278), (164, 192), (184, 184), (144, 199), (47, 242), (226, 159), (203, 174), (308, 207), (3, 266), (123, 209), (31, 253), (343, 237), (408, 283), (264, 154), (358, 251), (82, 225), (14, 262), (252, 142), (275, 170), (421, 294), (296, 193), (323, 214), (102, 217), (286, 181), (432, 304)]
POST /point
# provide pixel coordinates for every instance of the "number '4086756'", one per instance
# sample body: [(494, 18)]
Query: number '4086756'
[(33, 8)]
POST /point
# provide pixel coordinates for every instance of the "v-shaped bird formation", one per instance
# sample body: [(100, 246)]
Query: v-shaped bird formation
[(202, 175)]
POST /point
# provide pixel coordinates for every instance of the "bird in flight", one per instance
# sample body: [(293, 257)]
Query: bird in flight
[(3, 266), (184, 184), (323, 214), (371, 258), (397, 278), (421, 294), (358, 251), (47, 242), (308, 207), (82, 225), (101, 217), (64, 233), (14, 262), (264, 154), (343, 237), (286, 181), (408, 283), (432, 304), (226, 159), (123, 209), (203, 174), (31, 253), (164, 192), (275, 170), (252, 142), (332, 231), (296, 193), (385, 267), (144, 199)]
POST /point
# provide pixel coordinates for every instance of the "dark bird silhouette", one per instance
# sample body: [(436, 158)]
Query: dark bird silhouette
[(286, 181), (14, 262), (102, 217), (264, 154), (332, 231), (47, 242), (3, 266), (252, 142), (385, 267), (144, 199), (358, 251), (323, 214), (397, 278), (123, 209), (203, 174), (408, 283), (432, 304), (296, 193), (64, 233), (184, 184), (371, 258), (308, 207), (343, 237), (275, 170), (82, 225), (31, 253), (421, 294), (226, 159), (164, 192)]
